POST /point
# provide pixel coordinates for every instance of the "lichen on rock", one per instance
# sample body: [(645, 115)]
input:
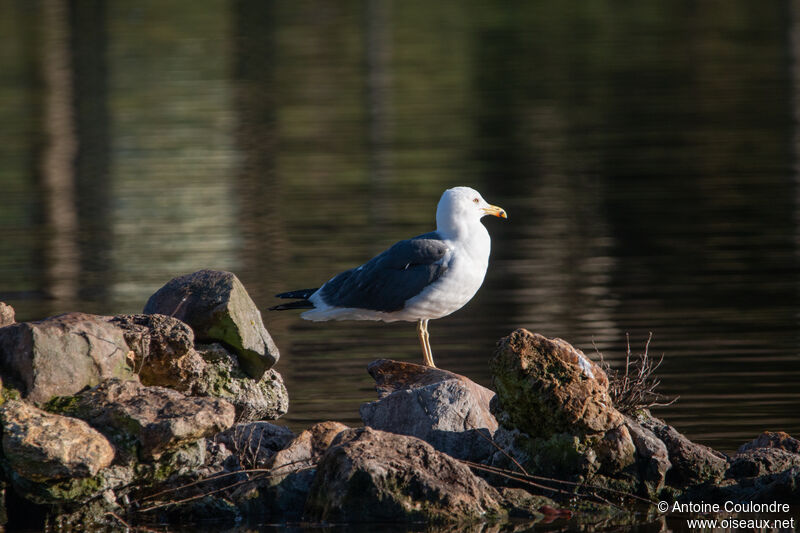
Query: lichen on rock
[(546, 386), (262, 399)]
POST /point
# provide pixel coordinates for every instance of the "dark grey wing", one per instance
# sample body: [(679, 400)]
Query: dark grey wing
[(387, 280)]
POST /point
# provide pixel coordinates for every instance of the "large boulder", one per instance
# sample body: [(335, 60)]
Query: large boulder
[(147, 421), (163, 348), (447, 410), (372, 476), (40, 446), (217, 307), (261, 399), (61, 355), (546, 386)]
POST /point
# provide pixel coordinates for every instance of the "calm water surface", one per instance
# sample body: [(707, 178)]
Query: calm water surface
[(646, 155)]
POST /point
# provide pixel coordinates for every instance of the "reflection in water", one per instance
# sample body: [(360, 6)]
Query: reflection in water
[(58, 175), (646, 158)]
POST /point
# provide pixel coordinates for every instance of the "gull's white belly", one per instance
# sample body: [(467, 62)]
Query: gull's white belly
[(450, 292)]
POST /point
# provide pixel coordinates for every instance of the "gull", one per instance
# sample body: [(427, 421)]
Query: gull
[(416, 280)]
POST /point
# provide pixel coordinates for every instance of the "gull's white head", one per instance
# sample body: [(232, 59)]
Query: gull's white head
[(462, 206)]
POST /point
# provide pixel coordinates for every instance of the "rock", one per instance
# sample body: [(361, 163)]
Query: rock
[(783, 487), (150, 420), (773, 439), (522, 504), (283, 495), (41, 446), (263, 399), (546, 386), (373, 476), (616, 450), (163, 349), (652, 456), (308, 446), (255, 444), (217, 307), (760, 461), (73, 491), (6, 315), (691, 463), (442, 408), (61, 355)]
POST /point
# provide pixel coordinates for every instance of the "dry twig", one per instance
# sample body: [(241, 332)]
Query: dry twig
[(634, 387)]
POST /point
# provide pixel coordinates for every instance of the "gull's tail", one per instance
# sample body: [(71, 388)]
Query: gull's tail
[(302, 296)]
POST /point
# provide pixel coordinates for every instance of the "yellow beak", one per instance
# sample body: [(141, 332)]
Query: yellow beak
[(496, 211)]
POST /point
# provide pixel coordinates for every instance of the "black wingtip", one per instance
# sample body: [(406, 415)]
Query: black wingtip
[(302, 294), (301, 304)]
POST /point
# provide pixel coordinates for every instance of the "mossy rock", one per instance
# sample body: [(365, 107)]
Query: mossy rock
[(70, 491)]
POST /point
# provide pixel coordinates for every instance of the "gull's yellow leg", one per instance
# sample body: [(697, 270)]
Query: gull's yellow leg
[(421, 333), (428, 351)]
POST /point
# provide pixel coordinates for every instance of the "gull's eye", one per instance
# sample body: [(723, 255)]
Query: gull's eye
[(476, 200)]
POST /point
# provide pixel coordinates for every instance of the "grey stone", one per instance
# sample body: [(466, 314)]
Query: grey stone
[(442, 408), (692, 463), (652, 455), (147, 421), (217, 307), (41, 446), (61, 355), (262, 399), (368, 475)]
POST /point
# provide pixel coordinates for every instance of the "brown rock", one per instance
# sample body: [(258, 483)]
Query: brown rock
[(6, 315), (442, 408), (307, 447), (773, 439), (163, 349), (373, 476), (616, 450), (61, 355), (40, 446), (157, 418), (546, 386)]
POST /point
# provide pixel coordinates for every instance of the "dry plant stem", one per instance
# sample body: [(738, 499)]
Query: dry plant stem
[(221, 475), (497, 446), (635, 388), (531, 478), (267, 473)]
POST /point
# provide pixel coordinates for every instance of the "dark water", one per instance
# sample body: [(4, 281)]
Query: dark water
[(646, 155)]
